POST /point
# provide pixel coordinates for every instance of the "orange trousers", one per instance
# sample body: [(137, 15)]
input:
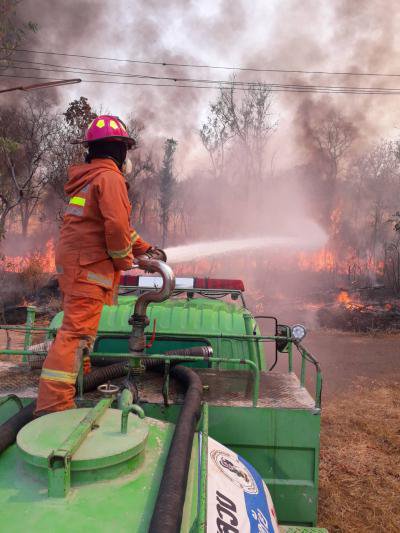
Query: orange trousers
[(62, 364)]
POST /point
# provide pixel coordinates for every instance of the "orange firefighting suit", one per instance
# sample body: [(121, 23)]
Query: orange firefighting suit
[(96, 242)]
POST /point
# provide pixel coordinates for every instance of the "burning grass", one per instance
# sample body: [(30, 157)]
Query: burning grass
[(360, 460)]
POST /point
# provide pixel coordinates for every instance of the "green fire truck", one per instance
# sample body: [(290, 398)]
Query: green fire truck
[(191, 420)]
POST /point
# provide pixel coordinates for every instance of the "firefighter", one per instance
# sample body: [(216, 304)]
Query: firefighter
[(96, 243)]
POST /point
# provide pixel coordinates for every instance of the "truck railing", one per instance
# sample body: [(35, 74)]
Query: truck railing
[(306, 358)]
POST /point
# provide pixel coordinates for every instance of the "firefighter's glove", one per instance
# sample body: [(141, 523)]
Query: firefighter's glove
[(156, 253)]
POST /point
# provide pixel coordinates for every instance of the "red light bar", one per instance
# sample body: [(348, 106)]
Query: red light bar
[(225, 284), (129, 280), (149, 282)]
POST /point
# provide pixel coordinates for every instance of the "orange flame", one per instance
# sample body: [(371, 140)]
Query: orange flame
[(343, 297), (45, 260), (344, 263), (322, 260)]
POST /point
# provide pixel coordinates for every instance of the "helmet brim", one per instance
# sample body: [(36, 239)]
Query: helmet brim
[(127, 140)]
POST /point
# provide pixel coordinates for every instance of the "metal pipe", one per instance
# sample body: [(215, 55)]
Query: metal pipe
[(168, 277), (134, 408), (139, 320), (306, 356), (254, 348), (203, 471), (170, 334), (303, 370), (30, 321)]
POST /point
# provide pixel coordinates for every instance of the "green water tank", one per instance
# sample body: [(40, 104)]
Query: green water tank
[(115, 477)]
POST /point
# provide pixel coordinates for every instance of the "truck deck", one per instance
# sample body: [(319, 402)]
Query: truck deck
[(221, 387)]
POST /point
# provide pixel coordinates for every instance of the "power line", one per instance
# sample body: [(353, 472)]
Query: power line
[(44, 85), (221, 67), (230, 83), (279, 88)]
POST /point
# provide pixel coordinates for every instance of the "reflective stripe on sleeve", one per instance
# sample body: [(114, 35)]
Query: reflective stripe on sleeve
[(120, 254), (134, 237), (58, 375), (77, 200)]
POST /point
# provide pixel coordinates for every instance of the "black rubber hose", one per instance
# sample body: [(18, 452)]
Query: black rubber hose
[(195, 351), (9, 430), (107, 373), (103, 374), (167, 514)]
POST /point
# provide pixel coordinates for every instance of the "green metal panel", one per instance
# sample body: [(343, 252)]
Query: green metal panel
[(281, 444)]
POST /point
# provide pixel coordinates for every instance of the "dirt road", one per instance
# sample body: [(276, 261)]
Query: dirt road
[(344, 357)]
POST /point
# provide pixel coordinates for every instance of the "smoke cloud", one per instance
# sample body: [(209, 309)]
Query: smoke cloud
[(338, 36)]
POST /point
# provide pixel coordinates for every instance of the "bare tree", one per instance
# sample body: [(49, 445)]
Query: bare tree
[(167, 182), (240, 122), (382, 181), (71, 126), (8, 188), (214, 135), (26, 135), (333, 138), (12, 29)]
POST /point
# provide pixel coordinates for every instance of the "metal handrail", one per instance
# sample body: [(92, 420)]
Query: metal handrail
[(307, 357)]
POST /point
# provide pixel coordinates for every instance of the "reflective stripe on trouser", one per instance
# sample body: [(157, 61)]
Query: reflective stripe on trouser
[(60, 369)]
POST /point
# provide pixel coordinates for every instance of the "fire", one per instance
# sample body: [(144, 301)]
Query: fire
[(343, 297), (345, 263), (42, 260), (319, 261)]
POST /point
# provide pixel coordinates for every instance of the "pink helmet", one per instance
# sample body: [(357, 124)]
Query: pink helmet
[(107, 127)]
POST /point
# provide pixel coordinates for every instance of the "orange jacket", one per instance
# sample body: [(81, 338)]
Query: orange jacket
[(96, 239)]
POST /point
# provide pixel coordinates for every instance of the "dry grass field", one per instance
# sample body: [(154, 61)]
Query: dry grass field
[(360, 459)]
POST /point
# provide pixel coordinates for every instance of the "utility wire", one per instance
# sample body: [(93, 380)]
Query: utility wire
[(221, 67), (280, 88), (245, 84)]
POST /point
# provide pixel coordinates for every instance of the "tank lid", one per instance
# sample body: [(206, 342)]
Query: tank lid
[(104, 447)]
